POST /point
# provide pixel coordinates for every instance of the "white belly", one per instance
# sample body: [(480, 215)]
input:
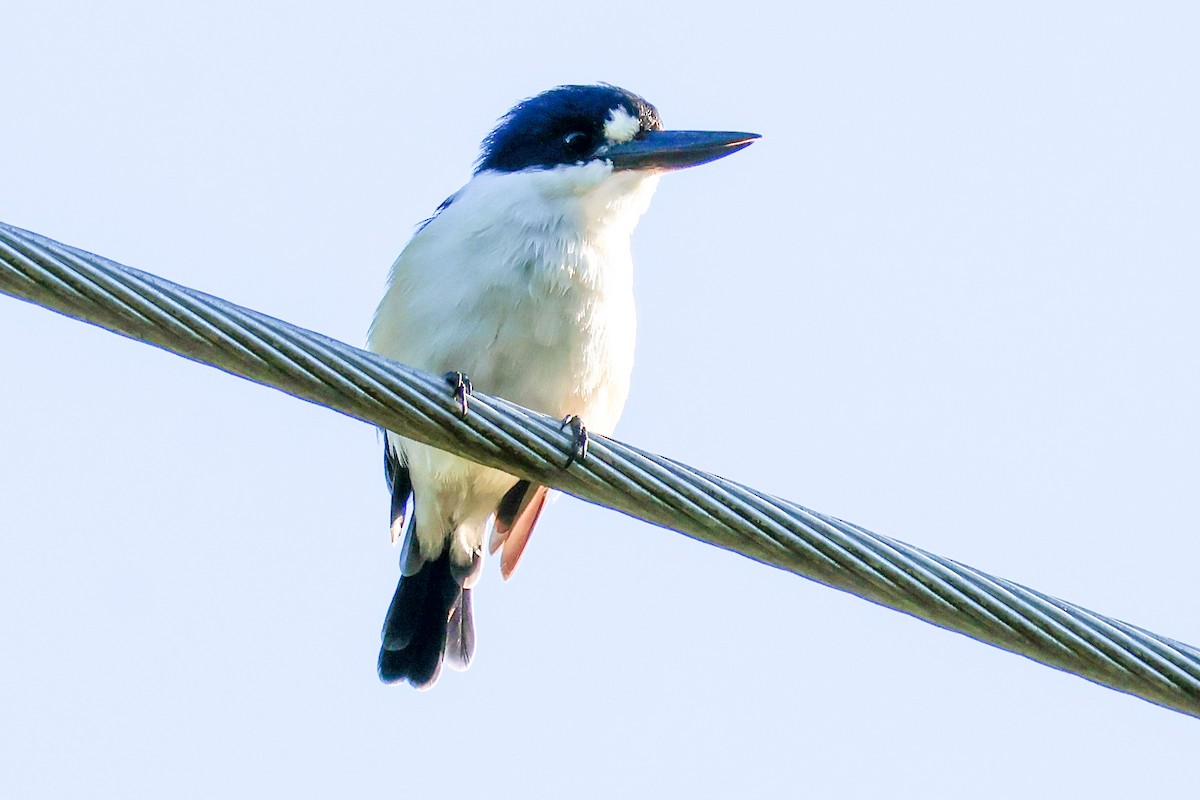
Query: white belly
[(531, 306)]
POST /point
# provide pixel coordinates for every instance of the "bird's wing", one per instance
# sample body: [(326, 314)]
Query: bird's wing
[(399, 485), (515, 517)]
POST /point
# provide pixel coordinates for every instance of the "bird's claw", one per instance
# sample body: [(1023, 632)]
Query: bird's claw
[(461, 385), (579, 446)]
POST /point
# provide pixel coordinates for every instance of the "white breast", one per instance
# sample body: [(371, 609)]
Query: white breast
[(525, 283)]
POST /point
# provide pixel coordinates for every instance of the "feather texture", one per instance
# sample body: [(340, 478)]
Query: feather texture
[(516, 515), (524, 283)]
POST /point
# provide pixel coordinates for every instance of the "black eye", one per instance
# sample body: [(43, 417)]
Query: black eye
[(578, 143)]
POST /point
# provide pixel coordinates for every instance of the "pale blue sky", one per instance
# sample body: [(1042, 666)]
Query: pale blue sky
[(950, 296)]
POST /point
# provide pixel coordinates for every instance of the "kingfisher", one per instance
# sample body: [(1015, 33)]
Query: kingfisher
[(521, 285)]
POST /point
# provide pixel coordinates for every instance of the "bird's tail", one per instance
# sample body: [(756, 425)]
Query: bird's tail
[(428, 621)]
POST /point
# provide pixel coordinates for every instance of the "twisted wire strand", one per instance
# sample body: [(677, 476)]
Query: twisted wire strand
[(658, 490)]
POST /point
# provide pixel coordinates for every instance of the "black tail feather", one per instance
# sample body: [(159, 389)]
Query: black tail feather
[(416, 628), (460, 633)]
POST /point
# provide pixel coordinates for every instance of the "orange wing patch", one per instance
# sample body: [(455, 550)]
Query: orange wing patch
[(516, 515)]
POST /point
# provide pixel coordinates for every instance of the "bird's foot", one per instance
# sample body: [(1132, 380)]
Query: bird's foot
[(579, 447), (461, 385)]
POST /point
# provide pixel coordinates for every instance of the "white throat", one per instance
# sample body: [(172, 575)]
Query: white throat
[(585, 200)]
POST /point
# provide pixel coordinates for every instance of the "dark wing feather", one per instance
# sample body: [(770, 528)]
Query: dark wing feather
[(399, 484)]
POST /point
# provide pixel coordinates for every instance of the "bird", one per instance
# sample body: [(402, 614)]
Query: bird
[(520, 285)]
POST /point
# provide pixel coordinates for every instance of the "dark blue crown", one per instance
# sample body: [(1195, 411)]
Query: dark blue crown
[(562, 126)]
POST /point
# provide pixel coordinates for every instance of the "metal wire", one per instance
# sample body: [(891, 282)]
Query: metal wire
[(652, 488)]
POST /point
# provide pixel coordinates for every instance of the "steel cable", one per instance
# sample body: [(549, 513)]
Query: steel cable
[(650, 487)]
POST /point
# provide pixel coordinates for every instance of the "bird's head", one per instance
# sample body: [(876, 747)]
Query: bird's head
[(577, 125)]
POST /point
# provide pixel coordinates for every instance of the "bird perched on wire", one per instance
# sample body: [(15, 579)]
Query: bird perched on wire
[(521, 285)]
